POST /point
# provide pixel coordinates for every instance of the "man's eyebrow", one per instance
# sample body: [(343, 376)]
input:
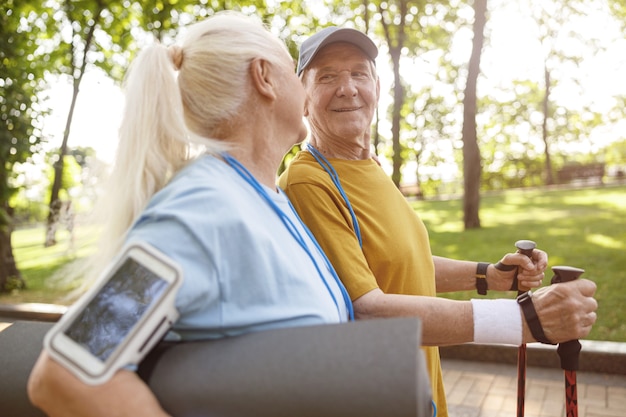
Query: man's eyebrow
[(330, 68)]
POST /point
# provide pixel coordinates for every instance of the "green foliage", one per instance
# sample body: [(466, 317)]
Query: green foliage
[(28, 211), (20, 82), (409, 29), (615, 154), (100, 35), (66, 37), (78, 185)]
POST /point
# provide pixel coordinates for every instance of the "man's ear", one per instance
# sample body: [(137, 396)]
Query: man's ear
[(263, 78), (307, 100)]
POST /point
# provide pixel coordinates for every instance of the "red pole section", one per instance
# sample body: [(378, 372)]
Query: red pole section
[(569, 352)]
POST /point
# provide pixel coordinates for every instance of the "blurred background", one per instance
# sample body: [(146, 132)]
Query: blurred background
[(477, 98)]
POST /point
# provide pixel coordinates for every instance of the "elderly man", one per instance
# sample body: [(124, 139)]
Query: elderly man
[(378, 244)]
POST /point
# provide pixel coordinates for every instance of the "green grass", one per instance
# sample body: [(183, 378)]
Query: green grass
[(585, 228), (39, 265)]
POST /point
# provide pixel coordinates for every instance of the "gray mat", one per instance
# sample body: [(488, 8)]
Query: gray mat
[(20, 345), (364, 368)]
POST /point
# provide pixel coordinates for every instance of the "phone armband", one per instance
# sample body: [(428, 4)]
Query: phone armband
[(116, 323)]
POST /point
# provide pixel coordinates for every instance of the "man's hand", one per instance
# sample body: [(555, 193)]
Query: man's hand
[(567, 311), (530, 271)]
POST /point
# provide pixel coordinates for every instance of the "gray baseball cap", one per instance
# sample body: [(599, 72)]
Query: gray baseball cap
[(326, 36)]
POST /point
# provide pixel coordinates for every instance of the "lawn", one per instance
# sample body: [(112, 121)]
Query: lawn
[(41, 267), (585, 228)]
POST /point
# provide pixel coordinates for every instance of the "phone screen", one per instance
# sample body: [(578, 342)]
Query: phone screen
[(116, 308)]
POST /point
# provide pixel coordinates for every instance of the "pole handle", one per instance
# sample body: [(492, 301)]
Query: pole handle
[(569, 352), (565, 274), (525, 247)]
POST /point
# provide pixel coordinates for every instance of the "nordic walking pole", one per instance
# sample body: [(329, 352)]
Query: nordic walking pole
[(569, 351), (524, 247)]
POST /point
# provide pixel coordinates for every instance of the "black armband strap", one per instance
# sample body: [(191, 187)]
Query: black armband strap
[(481, 277), (525, 300)]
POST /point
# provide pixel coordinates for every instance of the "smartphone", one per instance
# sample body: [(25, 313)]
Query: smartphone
[(118, 321)]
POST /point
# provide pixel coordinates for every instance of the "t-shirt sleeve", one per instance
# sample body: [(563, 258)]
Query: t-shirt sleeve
[(181, 228), (325, 213)]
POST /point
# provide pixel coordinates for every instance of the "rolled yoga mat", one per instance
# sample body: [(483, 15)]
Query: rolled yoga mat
[(363, 368)]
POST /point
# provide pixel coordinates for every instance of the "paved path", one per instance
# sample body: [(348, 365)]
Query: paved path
[(476, 389)]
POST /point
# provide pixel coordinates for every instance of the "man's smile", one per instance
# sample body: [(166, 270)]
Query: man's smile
[(348, 109)]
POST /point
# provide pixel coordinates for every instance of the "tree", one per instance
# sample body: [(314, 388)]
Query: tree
[(557, 36), (538, 122), (471, 152), (394, 26), (98, 37), (19, 116), (423, 135), (410, 28), (510, 157), (85, 33)]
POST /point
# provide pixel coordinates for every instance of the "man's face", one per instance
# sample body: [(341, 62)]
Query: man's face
[(342, 92)]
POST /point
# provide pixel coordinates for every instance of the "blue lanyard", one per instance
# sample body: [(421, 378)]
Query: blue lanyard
[(327, 166), (249, 178), (321, 159)]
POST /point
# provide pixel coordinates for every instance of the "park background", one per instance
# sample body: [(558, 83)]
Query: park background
[(499, 120)]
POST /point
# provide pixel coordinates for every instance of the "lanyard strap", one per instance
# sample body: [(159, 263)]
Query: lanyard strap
[(327, 166), (249, 178)]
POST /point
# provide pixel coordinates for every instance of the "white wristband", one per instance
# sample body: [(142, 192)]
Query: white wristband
[(497, 321)]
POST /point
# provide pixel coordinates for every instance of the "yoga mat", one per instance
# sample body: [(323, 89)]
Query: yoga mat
[(363, 368)]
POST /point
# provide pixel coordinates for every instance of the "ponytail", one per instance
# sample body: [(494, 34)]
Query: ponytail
[(152, 147), (176, 98)]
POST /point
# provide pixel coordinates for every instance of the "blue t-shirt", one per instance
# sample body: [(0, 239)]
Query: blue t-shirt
[(243, 269)]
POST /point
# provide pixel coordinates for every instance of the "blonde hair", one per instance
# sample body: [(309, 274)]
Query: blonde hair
[(176, 98)]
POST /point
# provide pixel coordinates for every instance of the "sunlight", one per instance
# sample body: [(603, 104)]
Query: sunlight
[(605, 241), (96, 117), (512, 52)]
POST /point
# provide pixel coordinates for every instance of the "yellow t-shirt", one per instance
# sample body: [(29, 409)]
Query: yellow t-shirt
[(396, 254)]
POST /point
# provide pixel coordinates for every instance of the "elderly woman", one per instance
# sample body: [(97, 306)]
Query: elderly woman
[(229, 90)]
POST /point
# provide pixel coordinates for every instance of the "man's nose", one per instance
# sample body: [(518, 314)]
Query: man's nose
[(347, 86)]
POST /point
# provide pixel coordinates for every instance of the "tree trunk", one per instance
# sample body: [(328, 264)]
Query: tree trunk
[(375, 140), (395, 50), (418, 183), (398, 98), (55, 203), (544, 127), (10, 276), (471, 153)]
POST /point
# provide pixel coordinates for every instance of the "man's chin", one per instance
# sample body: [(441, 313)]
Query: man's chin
[(351, 131)]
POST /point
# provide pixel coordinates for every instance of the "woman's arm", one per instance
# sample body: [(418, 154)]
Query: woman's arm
[(59, 393)]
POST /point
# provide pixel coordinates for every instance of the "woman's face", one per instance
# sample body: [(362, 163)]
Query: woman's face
[(291, 102)]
